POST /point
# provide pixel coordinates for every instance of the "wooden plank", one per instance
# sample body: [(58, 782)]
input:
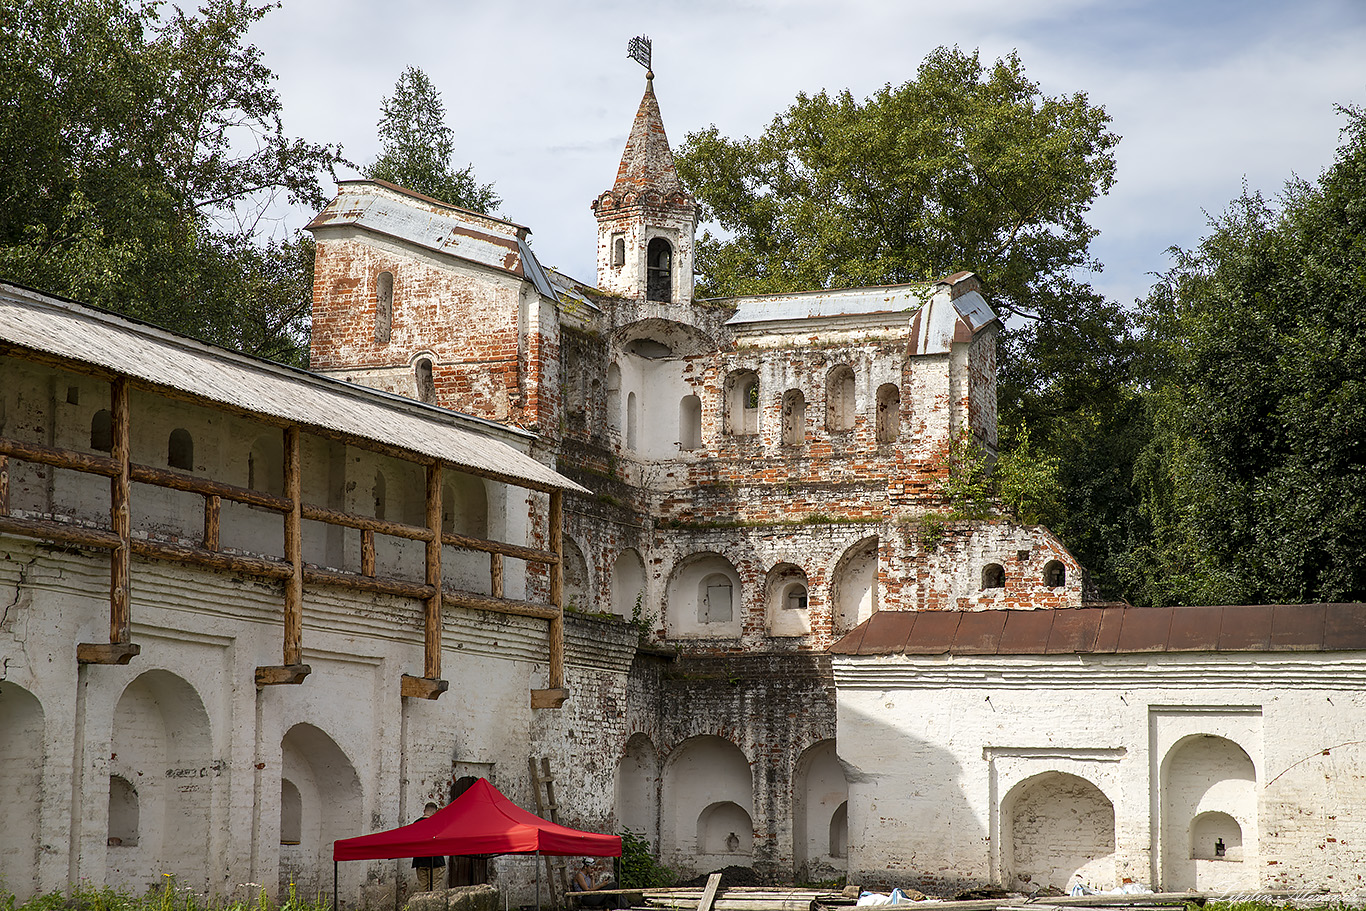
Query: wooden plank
[(294, 586), (557, 591), (213, 511), (120, 515), (709, 893), (4, 485), (432, 613), (275, 675), (106, 652), (548, 699)]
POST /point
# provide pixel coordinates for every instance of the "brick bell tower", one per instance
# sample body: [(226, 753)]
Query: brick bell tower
[(647, 220)]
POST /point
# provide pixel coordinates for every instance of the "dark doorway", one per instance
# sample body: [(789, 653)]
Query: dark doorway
[(466, 869), (659, 271)]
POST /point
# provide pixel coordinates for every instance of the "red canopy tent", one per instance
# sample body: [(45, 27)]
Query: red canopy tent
[(480, 821)]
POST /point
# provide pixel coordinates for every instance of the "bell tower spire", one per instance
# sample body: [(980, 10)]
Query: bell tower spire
[(646, 222)]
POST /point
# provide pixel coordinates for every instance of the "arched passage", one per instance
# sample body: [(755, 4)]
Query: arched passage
[(1057, 826), (707, 796), (1209, 796), (637, 788), (329, 807), (162, 751), (820, 830), (853, 585), (22, 756)]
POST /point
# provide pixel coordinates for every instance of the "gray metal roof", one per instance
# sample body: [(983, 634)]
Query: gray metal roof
[(772, 308), (163, 359), (382, 207)]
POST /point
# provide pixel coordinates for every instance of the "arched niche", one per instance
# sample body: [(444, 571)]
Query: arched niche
[(689, 423), (888, 413), (637, 788), (384, 307), (578, 592), (853, 586), (330, 805), (820, 793), (1204, 779), (102, 431), (725, 829), (741, 391), (632, 421), (794, 418), (705, 598), (180, 450), (291, 813), (161, 738), (266, 464), (702, 775), (22, 756), (628, 584), (464, 505), (124, 815), (786, 598), (614, 397), (840, 407), (1057, 827), (424, 379)]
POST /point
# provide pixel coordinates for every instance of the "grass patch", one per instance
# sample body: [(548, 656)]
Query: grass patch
[(165, 897)]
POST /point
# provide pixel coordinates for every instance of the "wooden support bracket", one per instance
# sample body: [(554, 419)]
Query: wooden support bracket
[(423, 687), (106, 652), (549, 699), (272, 674)]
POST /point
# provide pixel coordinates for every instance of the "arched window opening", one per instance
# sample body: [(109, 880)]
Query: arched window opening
[(659, 271), (102, 431), (614, 398), (1055, 574), (888, 413), (742, 403), (180, 450), (993, 576), (690, 423), (123, 813), (839, 399), (381, 500), (839, 831), (714, 599), (632, 420), (291, 813), (794, 596), (794, 417), (426, 382), (384, 307), (618, 251)]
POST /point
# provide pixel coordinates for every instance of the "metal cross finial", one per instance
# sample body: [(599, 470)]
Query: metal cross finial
[(639, 50)]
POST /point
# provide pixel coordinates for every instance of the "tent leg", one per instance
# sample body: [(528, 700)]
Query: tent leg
[(398, 879), (334, 885), (538, 881)]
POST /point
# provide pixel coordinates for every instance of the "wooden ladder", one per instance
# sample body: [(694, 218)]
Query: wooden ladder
[(543, 786)]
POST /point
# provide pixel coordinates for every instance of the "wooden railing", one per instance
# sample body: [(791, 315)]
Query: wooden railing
[(290, 570)]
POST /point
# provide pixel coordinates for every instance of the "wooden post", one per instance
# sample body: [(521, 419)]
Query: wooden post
[(432, 650), (213, 509), (120, 648), (120, 514), (294, 587), (293, 670), (4, 485), (555, 694), (496, 574), (367, 552)]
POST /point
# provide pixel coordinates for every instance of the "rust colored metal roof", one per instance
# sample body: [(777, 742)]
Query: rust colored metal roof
[(1111, 630)]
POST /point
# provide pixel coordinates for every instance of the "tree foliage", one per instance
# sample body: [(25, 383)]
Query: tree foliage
[(417, 147), (1254, 480), (140, 149)]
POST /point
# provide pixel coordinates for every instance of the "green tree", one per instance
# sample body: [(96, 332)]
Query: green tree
[(1254, 481), (140, 149), (966, 166), (418, 147)]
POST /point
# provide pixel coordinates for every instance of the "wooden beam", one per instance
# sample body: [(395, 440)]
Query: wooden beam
[(530, 554), (496, 575), (294, 586), (557, 590), (59, 532), (175, 480), (431, 650), (365, 523), (232, 563), (105, 466), (213, 510), (275, 674), (709, 893), (367, 552), (379, 585), (106, 652), (548, 699), (423, 687), (4, 485), (475, 601), (120, 515)]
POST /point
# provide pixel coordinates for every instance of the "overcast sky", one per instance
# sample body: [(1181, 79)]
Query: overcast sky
[(1206, 94)]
